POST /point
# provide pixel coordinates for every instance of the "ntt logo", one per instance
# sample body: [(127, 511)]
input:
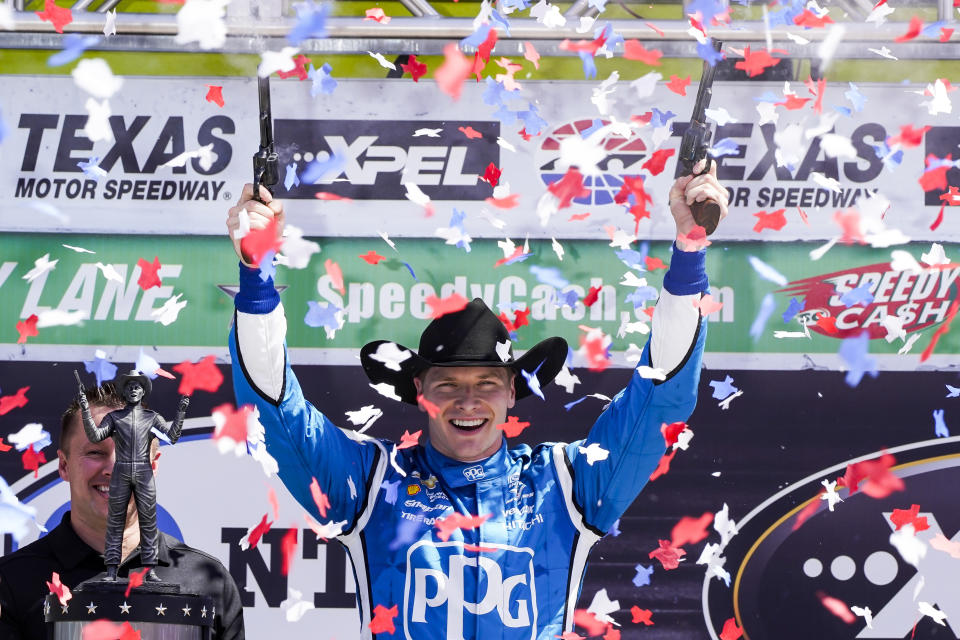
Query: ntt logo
[(624, 157)]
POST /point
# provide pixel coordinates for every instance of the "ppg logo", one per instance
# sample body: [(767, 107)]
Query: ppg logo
[(493, 589), (473, 473)]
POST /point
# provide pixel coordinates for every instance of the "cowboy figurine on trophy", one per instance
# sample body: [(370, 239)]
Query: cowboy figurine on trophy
[(132, 429)]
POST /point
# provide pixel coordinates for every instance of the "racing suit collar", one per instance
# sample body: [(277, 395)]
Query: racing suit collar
[(456, 473)]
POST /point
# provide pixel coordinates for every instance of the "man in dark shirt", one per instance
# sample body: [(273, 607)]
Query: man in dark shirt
[(74, 548)]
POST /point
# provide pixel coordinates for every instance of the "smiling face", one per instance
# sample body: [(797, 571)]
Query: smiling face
[(471, 402), (133, 392)]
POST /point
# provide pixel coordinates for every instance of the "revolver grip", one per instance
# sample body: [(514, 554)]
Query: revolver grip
[(706, 214)]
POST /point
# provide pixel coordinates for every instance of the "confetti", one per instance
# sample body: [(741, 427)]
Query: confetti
[(202, 375)]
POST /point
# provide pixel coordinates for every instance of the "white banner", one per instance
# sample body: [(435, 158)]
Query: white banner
[(369, 127)]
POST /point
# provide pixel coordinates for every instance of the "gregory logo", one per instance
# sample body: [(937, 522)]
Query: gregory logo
[(845, 303), (384, 154), (624, 157), (492, 589)]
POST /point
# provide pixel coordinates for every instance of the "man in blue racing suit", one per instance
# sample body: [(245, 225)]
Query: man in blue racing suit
[(470, 539)]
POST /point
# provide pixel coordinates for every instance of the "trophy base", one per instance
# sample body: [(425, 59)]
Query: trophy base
[(100, 584)]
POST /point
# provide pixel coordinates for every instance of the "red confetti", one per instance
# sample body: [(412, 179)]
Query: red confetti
[(696, 239), (377, 15), (288, 545), (596, 352), (934, 179), (479, 549), (492, 174), (901, 517), (442, 306), (253, 538), (634, 50), (808, 511), (941, 331), (59, 17), (508, 202), (827, 324), (634, 185), (819, 92), (810, 20), (612, 633), (849, 223), (4, 447), (664, 465), (678, 85), (415, 68), (909, 137), (27, 328), (755, 62), (234, 425), (655, 28), (657, 161), (372, 257), (945, 34), (299, 69), (319, 498), (323, 195), (520, 318), (106, 630), (671, 432), (913, 30), (336, 275), (588, 620), (668, 555), (730, 630), (135, 580), (641, 615), (258, 242), (59, 589), (203, 375), (792, 102), (32, 460), (9, 403), (589, 46), (653, 263), (592, 296), (513, 427), (432, 410), (578, 216), (570, 635), (690, 530), (454, 70), (707, 305), (774, 220), (149, 276), (470, 132), (214, 94), (530, 54), (408, 439), (517, 252), (837, 607), (446, 526), (274, 503), (568, 188), (383, 619), (879, 481), (486, 47)]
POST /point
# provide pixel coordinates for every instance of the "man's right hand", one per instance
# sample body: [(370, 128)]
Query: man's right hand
[(259, 214)]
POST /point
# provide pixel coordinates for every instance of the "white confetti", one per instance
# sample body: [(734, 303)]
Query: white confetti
[(296, 249), (77, 249), (273, 61), (390, 355), (720, 116), (566, 379), (935, 256), (97, 127), (110, 25), (386, 64), (645, 85), (295, 606), (201, 21), (41, 266), (430, 133), (59, 318), (386, 390), (594, 453), (651, 373), (506, 145), (204, 154), (170, 311), (94, 76)]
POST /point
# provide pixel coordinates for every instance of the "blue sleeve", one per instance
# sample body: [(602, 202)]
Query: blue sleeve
[(629, 428), (305, 444)]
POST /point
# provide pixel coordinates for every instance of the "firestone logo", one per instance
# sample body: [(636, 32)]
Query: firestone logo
[(624, 157), (846, 303)]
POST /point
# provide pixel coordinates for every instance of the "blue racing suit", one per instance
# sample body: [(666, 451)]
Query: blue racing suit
[(518, 574)]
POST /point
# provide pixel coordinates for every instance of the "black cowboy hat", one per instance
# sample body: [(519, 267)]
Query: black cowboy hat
[(139, 377), (465, 338)]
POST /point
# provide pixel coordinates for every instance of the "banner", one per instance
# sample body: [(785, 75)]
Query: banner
[(361, 146)]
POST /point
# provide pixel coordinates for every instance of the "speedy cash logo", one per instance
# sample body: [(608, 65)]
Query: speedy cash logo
[(448, 589), (624, 157), (920, 299), (379, 156), (848, 554)]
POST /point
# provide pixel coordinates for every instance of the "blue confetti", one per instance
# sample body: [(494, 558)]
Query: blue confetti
[(267, 268), (661, 118), (631, 258), (73, 47), (91, 168), (476, 38), (706, 51), (939, 426), (495, 15), (844, 111), (493, 94), (932, 30), (708, 9), (642, 578), (103, 369), (391, 490), (410, 269), (854, 353), (318, 170), (147, 365), (640, 295), (589, 66), (856, 98), (520, 257), (325, 316), (725, 147), (599, 5), (795, 307), (612, 38), (860, 295), (571, 405), (533, 124), (597, 124), (953, 392), (321, 80), (614, 528), (767, 307), (568, 298), (291, 179), (549, 275), (768, 96), (311, 22), (532, 382), (514, 4), (723, 388)]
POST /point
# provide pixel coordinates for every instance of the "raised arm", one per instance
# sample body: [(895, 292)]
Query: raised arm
[(629, 429), (94, 433), (172, 430), (305, 444)]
